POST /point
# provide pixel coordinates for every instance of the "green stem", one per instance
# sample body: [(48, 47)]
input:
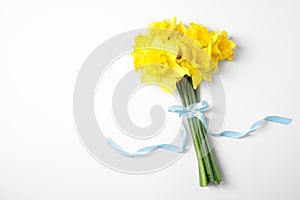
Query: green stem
[(211, 154), (201, 166), (208, 169), (201, 138)]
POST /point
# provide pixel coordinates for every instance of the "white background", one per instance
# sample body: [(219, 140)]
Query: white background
[(42, 47)]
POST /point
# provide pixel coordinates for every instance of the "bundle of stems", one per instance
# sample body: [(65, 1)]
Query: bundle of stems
[(208, 170)]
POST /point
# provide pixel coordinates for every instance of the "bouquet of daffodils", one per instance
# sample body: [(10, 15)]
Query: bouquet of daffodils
[(172, 56)]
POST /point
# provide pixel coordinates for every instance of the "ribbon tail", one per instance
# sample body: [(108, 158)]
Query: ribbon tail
[(254, 127), (279, 120), (119, 149), (148, 149)]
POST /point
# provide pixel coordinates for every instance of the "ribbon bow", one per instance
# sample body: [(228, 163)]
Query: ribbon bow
[(194, 110)]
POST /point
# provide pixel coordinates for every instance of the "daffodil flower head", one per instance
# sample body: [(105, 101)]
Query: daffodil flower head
[(170, 51)]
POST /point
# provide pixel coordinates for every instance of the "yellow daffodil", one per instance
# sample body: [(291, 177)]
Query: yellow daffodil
[(171, 51), (199, 33), (222, 48), (157, 61)]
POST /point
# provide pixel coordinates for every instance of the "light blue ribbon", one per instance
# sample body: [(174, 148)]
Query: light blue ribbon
[(146, 150), (195, 110)]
